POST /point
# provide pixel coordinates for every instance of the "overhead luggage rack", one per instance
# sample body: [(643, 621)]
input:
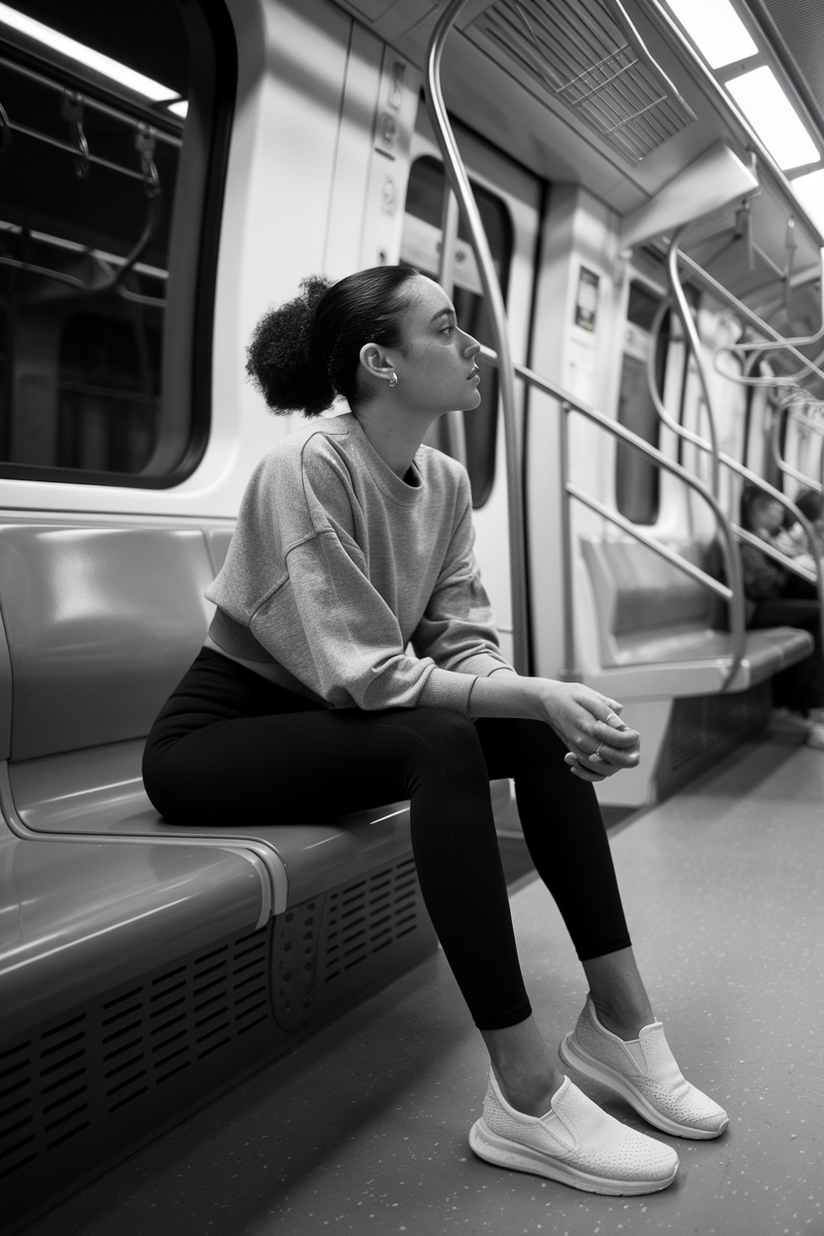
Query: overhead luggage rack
[(587, 55)]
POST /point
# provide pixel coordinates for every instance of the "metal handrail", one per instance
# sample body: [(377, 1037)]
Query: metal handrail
[(495, 305), (694, 344), (749, 315), (687, 435), (780, 461), (732, 592), (721, 457), (104, 109)]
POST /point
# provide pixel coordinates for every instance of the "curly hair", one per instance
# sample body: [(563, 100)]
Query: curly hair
[(306, 352)]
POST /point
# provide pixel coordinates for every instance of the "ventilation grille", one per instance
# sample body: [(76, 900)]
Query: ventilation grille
[(586, 54), (712, 723), (87, 1069), (368, 916), (295, 954)]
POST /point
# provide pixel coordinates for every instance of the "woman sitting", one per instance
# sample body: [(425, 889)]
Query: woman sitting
[(353, 541)]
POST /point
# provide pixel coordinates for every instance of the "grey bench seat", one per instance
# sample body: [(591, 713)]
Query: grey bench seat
[(655, 627), (100, 625), (102, 794), (79, 919)]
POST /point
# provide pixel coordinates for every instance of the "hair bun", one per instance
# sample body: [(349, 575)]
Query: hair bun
[(308, 351), (279, 359)]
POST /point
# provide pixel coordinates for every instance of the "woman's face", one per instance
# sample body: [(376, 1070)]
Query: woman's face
[(435, 364)]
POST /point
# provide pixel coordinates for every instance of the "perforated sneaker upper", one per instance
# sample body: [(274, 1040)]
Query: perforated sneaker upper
[(660, 1080), (577, 1132)]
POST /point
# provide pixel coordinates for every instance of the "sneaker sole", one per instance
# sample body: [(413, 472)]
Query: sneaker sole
[(493, 1148), (575, 1058)]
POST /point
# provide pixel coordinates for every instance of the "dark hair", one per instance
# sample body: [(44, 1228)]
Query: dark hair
[(753, 499), (810, 504), (306, 352)]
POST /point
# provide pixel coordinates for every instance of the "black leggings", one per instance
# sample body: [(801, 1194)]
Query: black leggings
[(230, 745)]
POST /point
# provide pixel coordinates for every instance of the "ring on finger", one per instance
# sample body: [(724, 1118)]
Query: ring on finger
[(595, 758)]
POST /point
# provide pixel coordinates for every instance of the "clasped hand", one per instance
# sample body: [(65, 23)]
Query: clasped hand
[(599, 742)]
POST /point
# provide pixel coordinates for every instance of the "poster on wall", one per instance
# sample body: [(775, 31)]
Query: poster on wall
[(586, 302)]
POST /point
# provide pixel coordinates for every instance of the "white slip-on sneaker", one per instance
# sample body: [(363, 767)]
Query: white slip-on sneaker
[(575, 1143), (645, 1073)]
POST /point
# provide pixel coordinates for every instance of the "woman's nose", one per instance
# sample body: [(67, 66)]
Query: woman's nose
[(472, 348)]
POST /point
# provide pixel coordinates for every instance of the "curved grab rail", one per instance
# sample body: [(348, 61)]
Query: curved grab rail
[(780, 461), (495, 304), (680, 431), (725, 295), (800, 341), (814, 577), (734, 592), (687, 435), (694, 343)]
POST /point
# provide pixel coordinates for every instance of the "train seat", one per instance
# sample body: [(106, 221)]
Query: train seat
[(80, 919), (657, 627), (100, 624)]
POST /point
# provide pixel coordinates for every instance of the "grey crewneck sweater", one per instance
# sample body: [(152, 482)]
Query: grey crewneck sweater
[(337, 564)]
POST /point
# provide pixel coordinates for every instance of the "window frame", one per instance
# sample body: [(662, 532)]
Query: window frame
[(186, 372)]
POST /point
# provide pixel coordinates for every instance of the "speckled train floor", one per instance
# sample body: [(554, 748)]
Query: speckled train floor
[(364, 1128)]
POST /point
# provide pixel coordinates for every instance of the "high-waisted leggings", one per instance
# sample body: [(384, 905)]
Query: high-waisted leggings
[(229, 745)]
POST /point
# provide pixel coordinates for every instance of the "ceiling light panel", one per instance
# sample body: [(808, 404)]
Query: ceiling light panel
[(92, 59), (773, 118), (810, 192), (716, 30)]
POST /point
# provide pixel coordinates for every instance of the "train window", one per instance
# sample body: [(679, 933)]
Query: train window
[(636, 479), (113, 139), (421, 247)]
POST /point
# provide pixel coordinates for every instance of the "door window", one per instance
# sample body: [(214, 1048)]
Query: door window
[(421, 247)]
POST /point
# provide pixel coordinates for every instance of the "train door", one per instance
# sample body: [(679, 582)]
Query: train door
[(509, 199)]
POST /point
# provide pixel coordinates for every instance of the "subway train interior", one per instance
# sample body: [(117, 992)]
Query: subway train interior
[(248, 1027)]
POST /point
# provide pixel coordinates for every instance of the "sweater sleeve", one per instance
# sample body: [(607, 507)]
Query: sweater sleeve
[(328, 625), (458, 628)]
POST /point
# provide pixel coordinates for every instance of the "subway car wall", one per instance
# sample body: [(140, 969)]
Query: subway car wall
[(171, 170)]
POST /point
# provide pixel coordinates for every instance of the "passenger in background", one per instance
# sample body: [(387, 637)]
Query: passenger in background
[(811, 504), (353, 541), (777, 597)]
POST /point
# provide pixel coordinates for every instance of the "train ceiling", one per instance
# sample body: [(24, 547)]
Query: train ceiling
[(515, 70)]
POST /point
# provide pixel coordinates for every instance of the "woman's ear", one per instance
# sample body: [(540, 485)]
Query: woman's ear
[(376, 362)]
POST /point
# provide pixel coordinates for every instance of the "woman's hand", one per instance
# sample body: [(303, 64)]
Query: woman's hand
[(599, 742)]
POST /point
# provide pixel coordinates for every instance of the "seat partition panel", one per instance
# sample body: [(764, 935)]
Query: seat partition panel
[(652, 593), (218, 540), (101, 623)]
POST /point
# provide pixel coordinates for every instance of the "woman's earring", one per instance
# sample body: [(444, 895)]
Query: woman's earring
[(393, 381)]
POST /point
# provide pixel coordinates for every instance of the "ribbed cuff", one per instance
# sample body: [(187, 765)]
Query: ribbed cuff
[(447, 689)]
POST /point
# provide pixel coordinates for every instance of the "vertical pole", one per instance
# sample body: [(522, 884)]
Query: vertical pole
[(455, 430), (694, 345), (495, 304), (570, 668)]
